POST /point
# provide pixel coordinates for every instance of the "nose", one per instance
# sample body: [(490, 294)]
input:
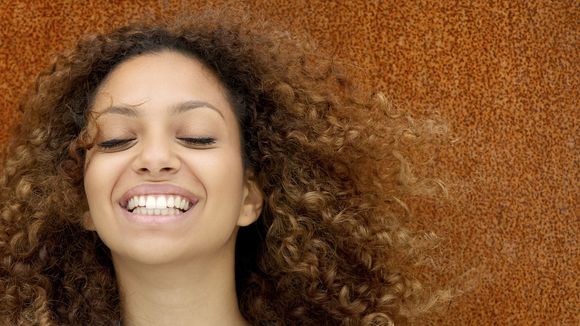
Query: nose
[(156, 158)]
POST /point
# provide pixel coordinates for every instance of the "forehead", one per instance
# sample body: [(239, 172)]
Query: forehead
[(159, 79)]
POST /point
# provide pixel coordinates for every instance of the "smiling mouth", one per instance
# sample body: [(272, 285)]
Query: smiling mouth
[(158, 205)]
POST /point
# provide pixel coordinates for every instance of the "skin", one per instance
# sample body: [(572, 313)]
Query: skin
[(171, 270)]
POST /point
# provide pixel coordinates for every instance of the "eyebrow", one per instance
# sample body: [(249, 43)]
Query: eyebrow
[(179, 108)]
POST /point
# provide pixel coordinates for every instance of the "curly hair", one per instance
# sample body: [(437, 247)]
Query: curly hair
[(330, 246)]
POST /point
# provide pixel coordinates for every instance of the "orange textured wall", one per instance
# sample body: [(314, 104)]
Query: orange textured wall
[(505, 75)]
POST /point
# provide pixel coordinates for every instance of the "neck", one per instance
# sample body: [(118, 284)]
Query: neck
[(202, 292)]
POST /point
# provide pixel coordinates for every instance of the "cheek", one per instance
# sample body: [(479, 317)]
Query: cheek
[(221, 172), (99, 178)]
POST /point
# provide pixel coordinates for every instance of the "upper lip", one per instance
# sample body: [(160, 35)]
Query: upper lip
[(157, 189)]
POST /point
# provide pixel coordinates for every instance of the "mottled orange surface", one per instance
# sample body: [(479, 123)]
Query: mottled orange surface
[(503, 73)]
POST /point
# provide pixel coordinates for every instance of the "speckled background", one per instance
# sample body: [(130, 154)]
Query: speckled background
[(505, 74)]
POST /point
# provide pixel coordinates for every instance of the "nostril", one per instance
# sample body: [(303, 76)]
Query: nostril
[(160, 164), (159, 171)]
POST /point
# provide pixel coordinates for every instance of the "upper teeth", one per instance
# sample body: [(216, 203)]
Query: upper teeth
[(158, 202)]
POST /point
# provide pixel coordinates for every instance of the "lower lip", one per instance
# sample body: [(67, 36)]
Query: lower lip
[(156, 219)]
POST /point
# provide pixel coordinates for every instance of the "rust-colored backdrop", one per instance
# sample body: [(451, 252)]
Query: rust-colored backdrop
[(505, 75)]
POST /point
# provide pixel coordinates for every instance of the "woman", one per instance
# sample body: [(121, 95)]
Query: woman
[(211, 171)]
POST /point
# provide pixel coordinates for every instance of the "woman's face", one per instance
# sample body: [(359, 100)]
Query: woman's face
[(165, 181)]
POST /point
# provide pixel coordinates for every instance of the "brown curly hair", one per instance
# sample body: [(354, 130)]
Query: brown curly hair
[(330, 246)]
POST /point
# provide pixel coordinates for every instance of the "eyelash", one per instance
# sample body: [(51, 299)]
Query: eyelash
[(114, 143), (199, 141)]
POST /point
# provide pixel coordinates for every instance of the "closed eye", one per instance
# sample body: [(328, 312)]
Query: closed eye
[(198, 141), (114, 143)]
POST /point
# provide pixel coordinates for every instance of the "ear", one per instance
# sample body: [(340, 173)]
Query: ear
[(253, 201), (87, 221)]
